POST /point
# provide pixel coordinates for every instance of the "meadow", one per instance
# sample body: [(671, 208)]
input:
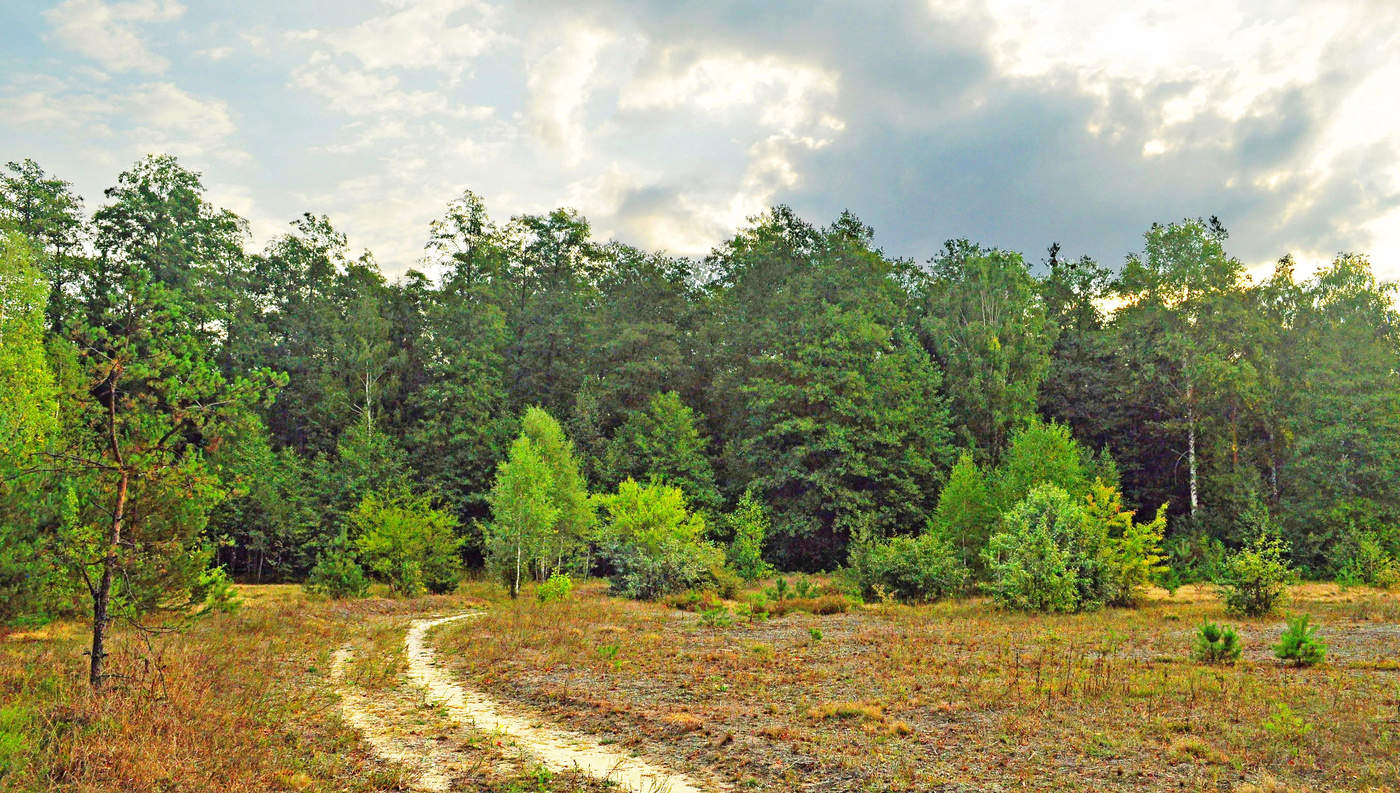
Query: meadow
[(878, 696)]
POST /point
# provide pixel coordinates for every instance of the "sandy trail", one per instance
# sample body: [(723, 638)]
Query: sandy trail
[(375, 720), (558, 749)]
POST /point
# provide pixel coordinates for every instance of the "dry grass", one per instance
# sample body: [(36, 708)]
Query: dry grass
[(229, 703), (958, 696)]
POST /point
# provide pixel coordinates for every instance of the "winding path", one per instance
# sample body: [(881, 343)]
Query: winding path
[(555, 748)]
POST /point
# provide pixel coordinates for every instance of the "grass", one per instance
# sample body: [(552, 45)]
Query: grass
[(950, 696), (229, 703), (959, 695)]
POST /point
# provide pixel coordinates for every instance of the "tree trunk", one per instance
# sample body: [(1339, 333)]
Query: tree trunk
[(102, 597), (1191, 450), (515, 590)]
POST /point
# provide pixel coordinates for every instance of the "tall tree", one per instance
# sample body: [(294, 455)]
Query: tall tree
[(984, 322), (47, 211), (838, 420)]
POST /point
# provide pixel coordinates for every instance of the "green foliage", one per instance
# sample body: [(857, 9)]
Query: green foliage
[(912, 569), (558, 587), (337, 574), (985, 324), (1042, 454), (28, 425), (1132, 552), (830, 408), (1369, 563), (1255, 580), (654, 544), (749, 522), (407, 543), (1300, 644), (523, 515), (1216, 644), (966, 514), (1043, 559), (663, 443), (1287, 725), (574, 517), (214, 591)]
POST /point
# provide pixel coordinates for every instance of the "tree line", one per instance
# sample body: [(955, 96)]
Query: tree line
[(176, 406)]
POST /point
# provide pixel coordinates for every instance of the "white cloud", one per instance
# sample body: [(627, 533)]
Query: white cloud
[(559, 76), (419, 35), (357, 92), (108, 32), (790, 96), (215, 53), (1226, 63)]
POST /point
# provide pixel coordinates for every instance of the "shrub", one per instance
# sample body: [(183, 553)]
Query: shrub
[(1256, 577), (1300, 644), (911, 569), (654, 542), (1042, 454), (965, 512), (727, 584), (337, 574), (1132, 551), (558, 587), (1369, 563), (407, 543), (215, 591), (749, 521), (1216, 644), (1045, 558)]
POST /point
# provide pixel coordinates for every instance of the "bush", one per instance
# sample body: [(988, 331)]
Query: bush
[(1370, 564), (1256, 577), (750, 524), (1216, 644), (1300, 644), (558, 587), (912, 569), (214, 591), (407, 543), (336, 573), (1045, 558), (654, 542), (1132, 552)]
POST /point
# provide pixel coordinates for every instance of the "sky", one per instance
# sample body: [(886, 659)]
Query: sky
[(1014, 123)]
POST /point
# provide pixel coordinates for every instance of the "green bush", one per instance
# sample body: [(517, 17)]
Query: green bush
[(1299, 643), (1216, 644), (1255, 579), (749, 520), (214, 591), (911, 569), (407, 543), (336, 573), (1132, 552), (558, 587), (1046, 557), (1369, 563), (653, 542)]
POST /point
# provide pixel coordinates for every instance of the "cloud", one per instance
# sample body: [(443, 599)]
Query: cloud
[(358, 92), (559, 75), (108, 32), (418, 35)]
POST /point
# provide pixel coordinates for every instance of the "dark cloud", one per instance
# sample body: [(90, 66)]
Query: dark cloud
[(937, 144)]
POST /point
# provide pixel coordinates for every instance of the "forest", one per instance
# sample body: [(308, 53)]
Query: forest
[(267, 394), (181, 415)]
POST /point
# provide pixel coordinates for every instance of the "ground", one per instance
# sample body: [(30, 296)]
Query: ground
[(953, 696)]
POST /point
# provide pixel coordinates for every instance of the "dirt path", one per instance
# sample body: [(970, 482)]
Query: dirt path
[(435, 751), (392, 723), (557, 749)]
